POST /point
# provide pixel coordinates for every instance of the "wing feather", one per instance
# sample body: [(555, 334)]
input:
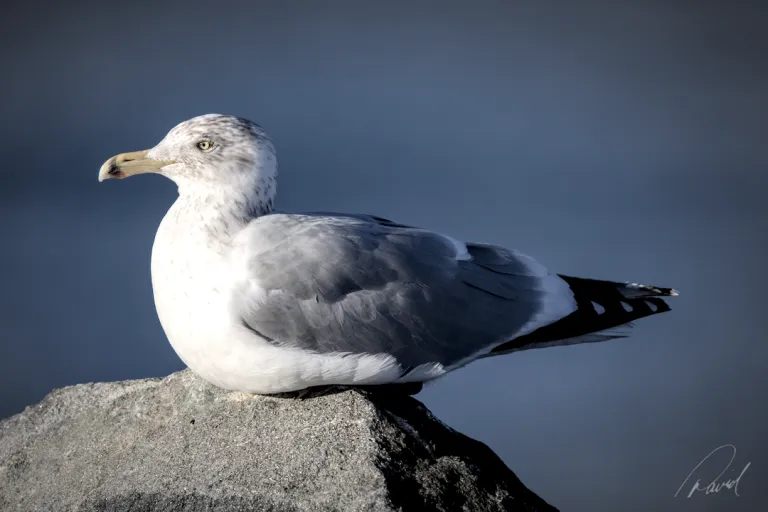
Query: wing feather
[(361, 284)]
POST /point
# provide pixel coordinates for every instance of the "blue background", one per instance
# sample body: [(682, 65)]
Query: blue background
[(622, 140)]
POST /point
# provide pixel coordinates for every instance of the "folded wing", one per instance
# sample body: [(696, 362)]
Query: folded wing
[(359, 284)]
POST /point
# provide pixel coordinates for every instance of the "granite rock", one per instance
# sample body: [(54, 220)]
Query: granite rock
[(181, 444)]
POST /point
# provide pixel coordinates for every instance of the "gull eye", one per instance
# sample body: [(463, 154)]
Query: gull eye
[(205, 145)]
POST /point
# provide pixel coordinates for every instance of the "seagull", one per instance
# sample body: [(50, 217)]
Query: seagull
[(265, 302)]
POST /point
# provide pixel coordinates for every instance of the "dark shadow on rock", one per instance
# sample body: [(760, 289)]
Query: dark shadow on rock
[(397, 390)]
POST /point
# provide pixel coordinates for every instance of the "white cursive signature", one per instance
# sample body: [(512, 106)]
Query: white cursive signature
[(715, 486)]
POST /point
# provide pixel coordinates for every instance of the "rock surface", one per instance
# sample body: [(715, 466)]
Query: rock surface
[(181, 444)]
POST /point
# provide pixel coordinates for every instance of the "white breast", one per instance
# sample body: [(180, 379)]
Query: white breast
[(188, 281)]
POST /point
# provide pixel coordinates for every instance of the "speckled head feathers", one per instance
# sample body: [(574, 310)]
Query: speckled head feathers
[(219, 152)]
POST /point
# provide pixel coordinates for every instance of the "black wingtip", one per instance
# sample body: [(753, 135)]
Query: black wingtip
[(601, 305), (647, 290)]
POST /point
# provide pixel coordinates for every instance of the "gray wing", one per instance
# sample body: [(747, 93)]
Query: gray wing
[(363, 284)]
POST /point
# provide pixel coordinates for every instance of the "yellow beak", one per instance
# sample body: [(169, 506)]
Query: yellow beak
[(128, 164)]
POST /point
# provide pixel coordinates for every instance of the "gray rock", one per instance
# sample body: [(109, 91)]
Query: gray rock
[(181, 444)]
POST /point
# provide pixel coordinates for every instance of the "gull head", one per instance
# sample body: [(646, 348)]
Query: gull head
[(212, 152)]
